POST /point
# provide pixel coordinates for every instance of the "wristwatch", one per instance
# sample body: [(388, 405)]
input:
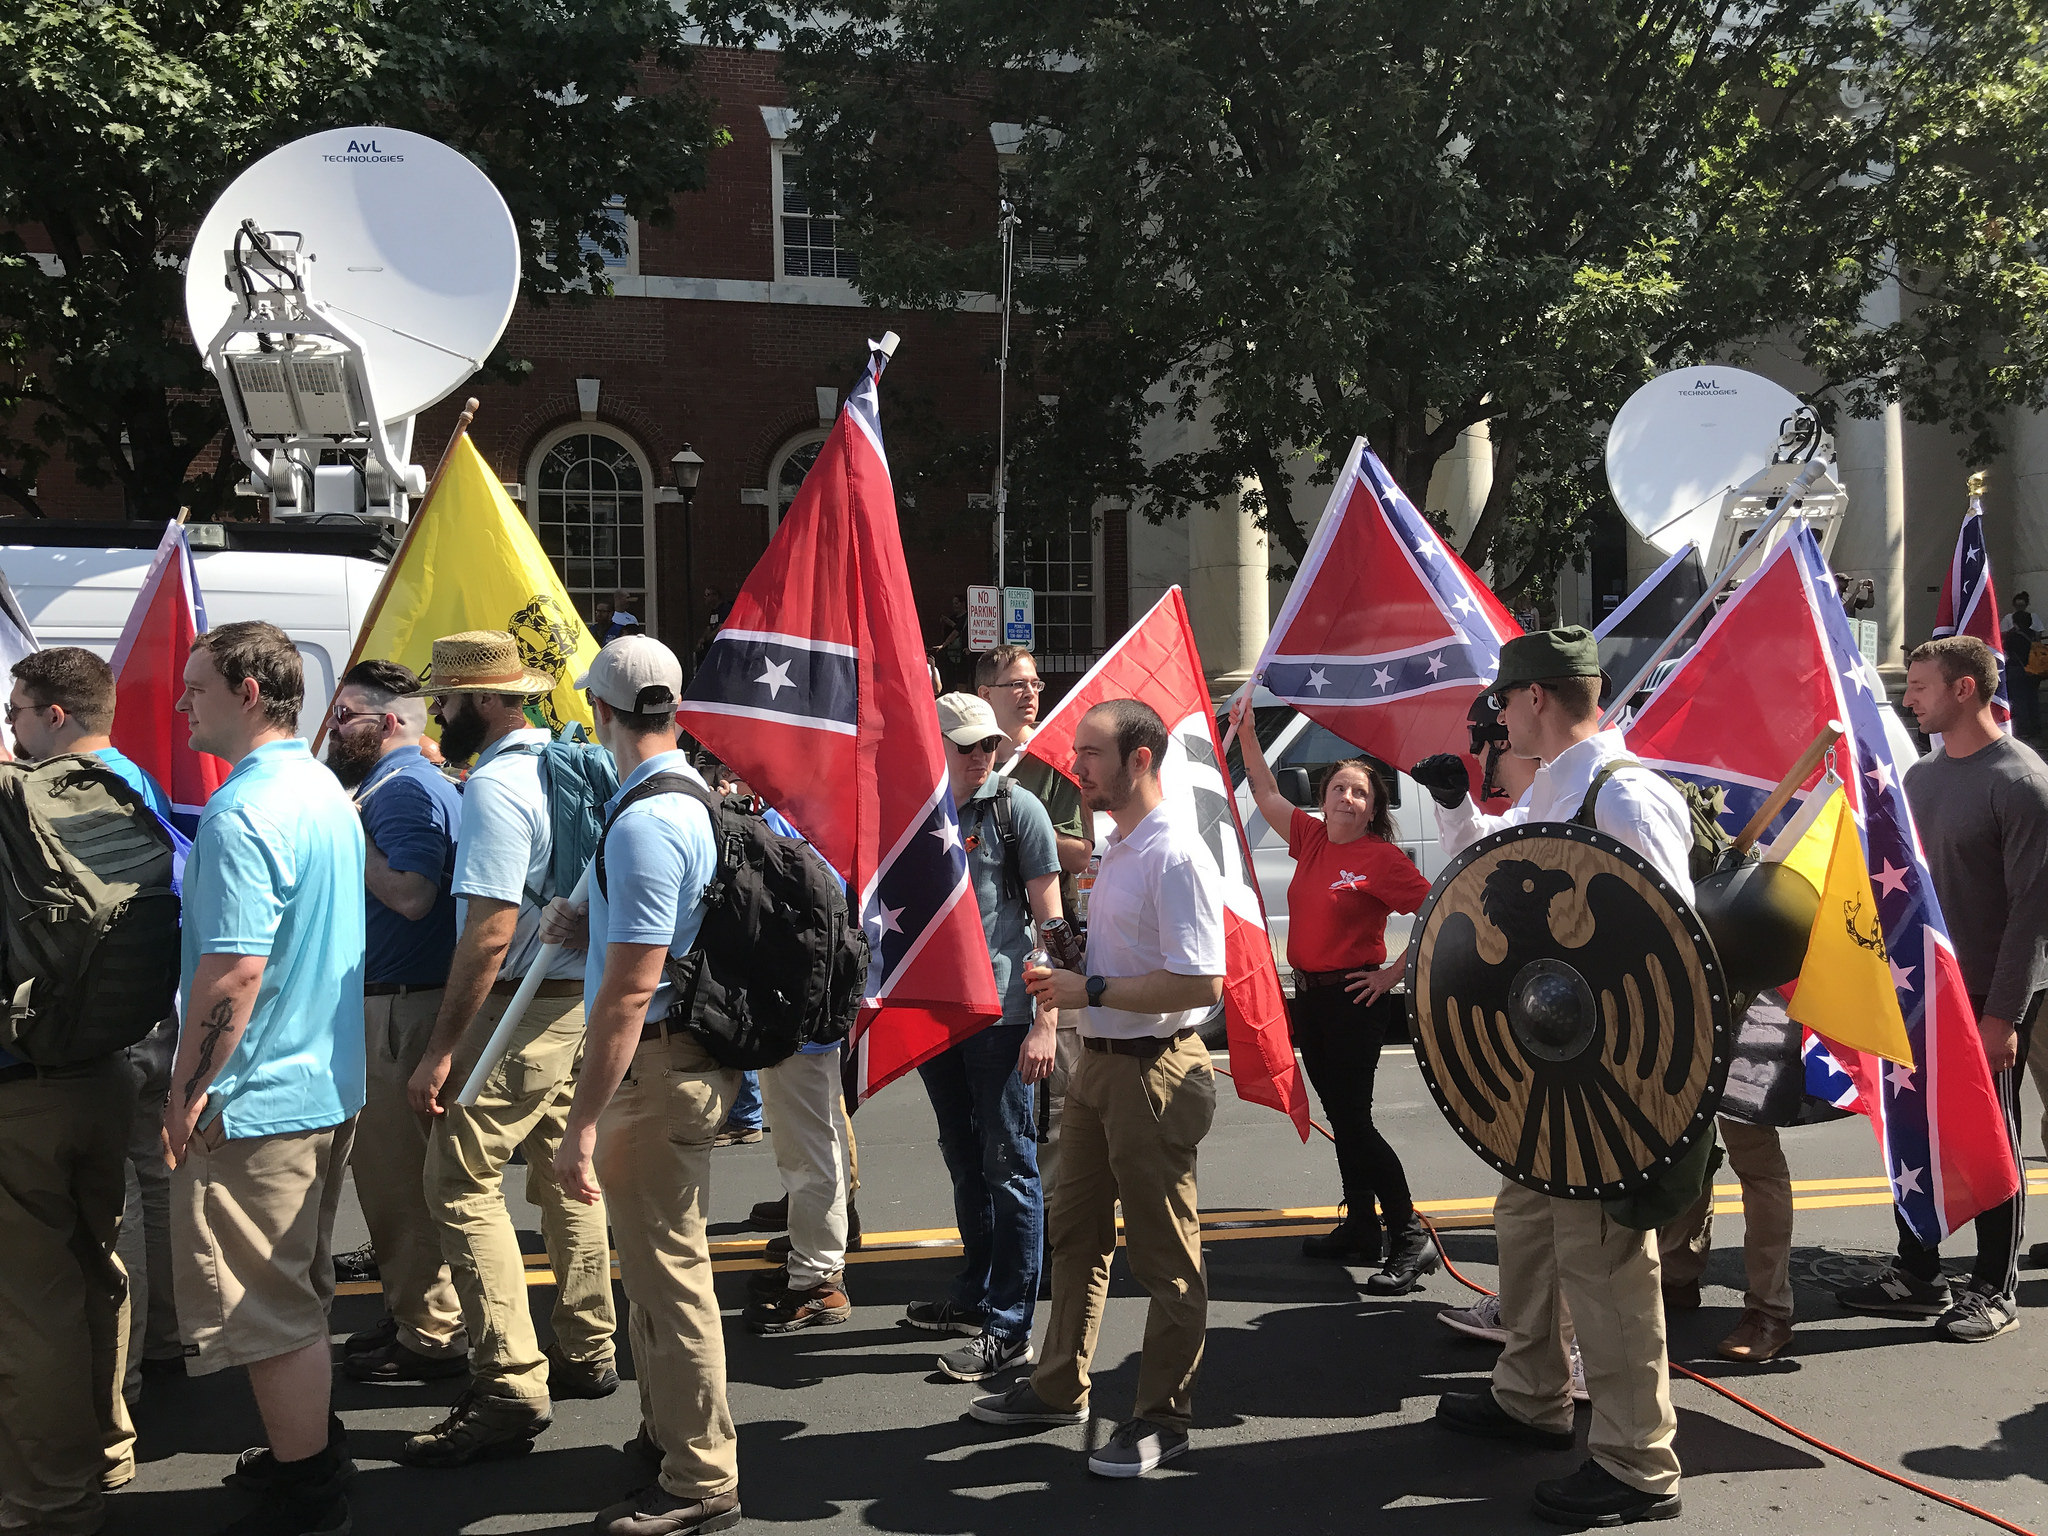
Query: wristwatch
[(1097, 985)]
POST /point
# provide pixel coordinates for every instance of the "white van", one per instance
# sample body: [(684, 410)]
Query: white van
[(77, 582)]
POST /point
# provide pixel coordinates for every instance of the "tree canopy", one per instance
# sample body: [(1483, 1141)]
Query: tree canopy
[(1302, 220), (125, 121)]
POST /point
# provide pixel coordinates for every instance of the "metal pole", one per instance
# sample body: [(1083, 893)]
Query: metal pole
[(1007, 228), (1786, 502), (529, 984)]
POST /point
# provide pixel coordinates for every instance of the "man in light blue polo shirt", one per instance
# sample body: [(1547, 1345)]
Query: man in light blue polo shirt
[(269, 1070), (650, 1103)]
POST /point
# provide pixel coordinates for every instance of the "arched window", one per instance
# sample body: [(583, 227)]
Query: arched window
[(590, 508), (786, 471)]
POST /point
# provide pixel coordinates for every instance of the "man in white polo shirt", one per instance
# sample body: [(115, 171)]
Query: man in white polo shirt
[(1140, 1102)]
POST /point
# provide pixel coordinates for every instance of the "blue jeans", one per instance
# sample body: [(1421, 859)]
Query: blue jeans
[(989, 1140), (745, 1114)]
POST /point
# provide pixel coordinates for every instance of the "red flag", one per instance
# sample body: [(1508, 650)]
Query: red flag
[(149, 677), (1969, 602), (1156, 663), (815, 692)]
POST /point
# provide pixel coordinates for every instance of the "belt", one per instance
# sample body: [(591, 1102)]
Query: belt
[(560, 987), (25, 1071), (398, 988), (1308, 981), (1145, 1047)]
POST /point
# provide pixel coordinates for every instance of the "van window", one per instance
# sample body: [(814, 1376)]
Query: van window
[(1268, 719), (1318, 747)]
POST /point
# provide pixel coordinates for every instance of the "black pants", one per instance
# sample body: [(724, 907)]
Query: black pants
[(1340, 1046), (2002, 1229)]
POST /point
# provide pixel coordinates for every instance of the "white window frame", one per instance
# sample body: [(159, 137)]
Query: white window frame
[(810, 438), (781, 122), (648, 486), (1015, 571)]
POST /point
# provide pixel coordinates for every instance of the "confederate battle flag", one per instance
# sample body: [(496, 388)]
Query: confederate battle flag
[(149, 679)]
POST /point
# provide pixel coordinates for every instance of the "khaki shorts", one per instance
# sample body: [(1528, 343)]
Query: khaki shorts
[(252, 1220)]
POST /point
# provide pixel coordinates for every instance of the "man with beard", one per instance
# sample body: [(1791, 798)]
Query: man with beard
[(1140, 1102), (479, 690), (411, 819)]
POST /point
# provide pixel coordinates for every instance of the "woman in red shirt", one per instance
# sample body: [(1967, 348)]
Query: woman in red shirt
[(1348, 876)]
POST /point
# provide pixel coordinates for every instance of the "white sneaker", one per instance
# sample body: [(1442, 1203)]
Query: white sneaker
[(1579, 1392), (1481, 1320)]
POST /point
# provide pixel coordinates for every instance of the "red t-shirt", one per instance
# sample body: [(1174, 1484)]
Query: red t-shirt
[(1341, 893)]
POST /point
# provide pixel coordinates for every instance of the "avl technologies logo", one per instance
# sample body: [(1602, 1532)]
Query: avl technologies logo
[(1701, 389), (363, 152)]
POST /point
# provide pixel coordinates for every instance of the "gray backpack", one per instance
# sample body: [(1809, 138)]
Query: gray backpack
[(88, 918)]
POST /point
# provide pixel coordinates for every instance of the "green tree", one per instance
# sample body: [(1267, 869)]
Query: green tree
[(1300, 220), (126, 121)]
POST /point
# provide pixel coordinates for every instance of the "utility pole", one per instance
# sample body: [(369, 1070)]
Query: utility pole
[(1006, 230)]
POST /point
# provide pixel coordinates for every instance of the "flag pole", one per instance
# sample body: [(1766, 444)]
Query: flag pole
[(1787, 787), (376, 610), (1786, 502)]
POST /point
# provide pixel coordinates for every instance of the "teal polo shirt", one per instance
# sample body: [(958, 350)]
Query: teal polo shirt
[(277, 870)]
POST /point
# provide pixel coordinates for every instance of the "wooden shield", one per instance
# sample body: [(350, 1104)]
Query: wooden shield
[(1568, 1009)]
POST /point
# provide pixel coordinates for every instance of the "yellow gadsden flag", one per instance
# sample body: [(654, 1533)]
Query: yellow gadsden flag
[(1846, 990), (470, 561)]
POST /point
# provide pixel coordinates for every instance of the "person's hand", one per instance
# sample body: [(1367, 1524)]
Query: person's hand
[(423, 1089), (1041, 1047), (1239, 710), (1371, 986), (2001, 1044), (575, 1171), (180, 1119), (1058, 989), (1444, 775), (565, 925)]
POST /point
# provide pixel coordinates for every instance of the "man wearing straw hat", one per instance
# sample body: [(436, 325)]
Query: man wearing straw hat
[(479, 687)]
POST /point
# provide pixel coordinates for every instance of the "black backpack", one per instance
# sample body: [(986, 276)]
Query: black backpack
[(90, 922), (780, 962)]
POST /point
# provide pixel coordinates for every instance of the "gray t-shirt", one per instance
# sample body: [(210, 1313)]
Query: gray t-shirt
[(1007, 921), (1984, 822)]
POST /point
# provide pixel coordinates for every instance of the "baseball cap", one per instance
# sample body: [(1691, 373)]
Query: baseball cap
[(636, 673), (965, 717)]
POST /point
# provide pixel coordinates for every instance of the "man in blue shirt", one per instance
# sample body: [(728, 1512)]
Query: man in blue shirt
[(269, 1070), (649, 1103), (412, 816), (64, 1427)]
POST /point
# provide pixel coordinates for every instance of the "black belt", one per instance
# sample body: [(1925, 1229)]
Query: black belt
[(1309, 981), (1145, 1047), (561, 986), (25, 1071), (399, 988)]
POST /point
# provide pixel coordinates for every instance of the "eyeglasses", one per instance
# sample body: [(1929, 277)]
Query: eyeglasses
[(1028, 684), (969, 748), (343, 717), (9, 711)]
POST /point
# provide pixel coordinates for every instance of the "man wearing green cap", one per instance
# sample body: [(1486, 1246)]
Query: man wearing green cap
[(1548, 698)]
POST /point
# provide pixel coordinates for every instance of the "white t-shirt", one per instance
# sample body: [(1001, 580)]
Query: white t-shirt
[(506, 846), (1157, 905)]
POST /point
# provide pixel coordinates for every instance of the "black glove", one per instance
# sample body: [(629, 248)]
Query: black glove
[(1445, 777)]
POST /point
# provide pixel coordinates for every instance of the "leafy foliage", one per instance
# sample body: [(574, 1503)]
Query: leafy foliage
[(127, 120), (1300, 220)]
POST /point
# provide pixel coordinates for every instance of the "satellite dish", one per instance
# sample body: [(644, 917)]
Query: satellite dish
[(1686, 439), (408, 242)]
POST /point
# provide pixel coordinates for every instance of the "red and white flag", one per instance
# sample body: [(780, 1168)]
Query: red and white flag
[(1156, 663), (149, 677)]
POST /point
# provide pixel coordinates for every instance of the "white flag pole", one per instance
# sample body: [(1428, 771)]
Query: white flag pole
[(529, 984)]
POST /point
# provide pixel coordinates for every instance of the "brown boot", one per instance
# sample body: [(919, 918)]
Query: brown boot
[(1757, 1338), (787, 1310)]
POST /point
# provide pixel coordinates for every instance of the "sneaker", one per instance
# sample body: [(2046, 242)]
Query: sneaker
[(984, 1357), (582, 1380), (1136, 1448), (1579, 1392), (1411, 1254), (824, 1305), (1478, 1413), (395, 1365), (1481, 1320), (1352, 1241), (1021, 1405), (941, 1317), (743, 1136), (769, 1215), (356, 1266), (479, 1428), (376, 1336), (257, 1469), (1595, 1496), (1895, 1293), (1977, 1316), (654, 1511)]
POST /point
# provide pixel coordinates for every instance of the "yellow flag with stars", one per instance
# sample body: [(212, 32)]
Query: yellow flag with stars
[(1846, 988), (470, 561)]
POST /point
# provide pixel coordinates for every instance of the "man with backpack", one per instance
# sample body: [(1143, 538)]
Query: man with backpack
[(479, 688), (981, 1088), (651, 1098), (269, 1071), (68, 1123)]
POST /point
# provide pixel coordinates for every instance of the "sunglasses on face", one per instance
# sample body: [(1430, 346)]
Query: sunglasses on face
[(969, 748), (9, 711), (1498, 699), (343, 717)]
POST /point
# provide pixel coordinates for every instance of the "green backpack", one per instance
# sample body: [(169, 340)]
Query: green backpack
[(1710, 840), (88, 918)]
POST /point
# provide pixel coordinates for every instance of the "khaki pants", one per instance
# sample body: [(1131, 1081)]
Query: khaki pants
[(522, 1108), (654, 1160), (800, 1096), (1610, 1276), (389, 1161), (252, 1229), (64, 1429), (1066, 1056), (1759, 1163), (1130, 1133)]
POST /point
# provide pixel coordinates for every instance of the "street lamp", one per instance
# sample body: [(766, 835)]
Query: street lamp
[(684, 469)]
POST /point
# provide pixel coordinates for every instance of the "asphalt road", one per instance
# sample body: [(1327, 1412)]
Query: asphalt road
[(1313, 1411)]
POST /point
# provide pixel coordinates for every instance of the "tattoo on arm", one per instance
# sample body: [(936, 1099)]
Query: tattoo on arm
[(215, 1024)]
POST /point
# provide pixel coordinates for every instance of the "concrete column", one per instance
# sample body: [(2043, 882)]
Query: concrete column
[(1226, 590), (1871, 457), (1462, 480)]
